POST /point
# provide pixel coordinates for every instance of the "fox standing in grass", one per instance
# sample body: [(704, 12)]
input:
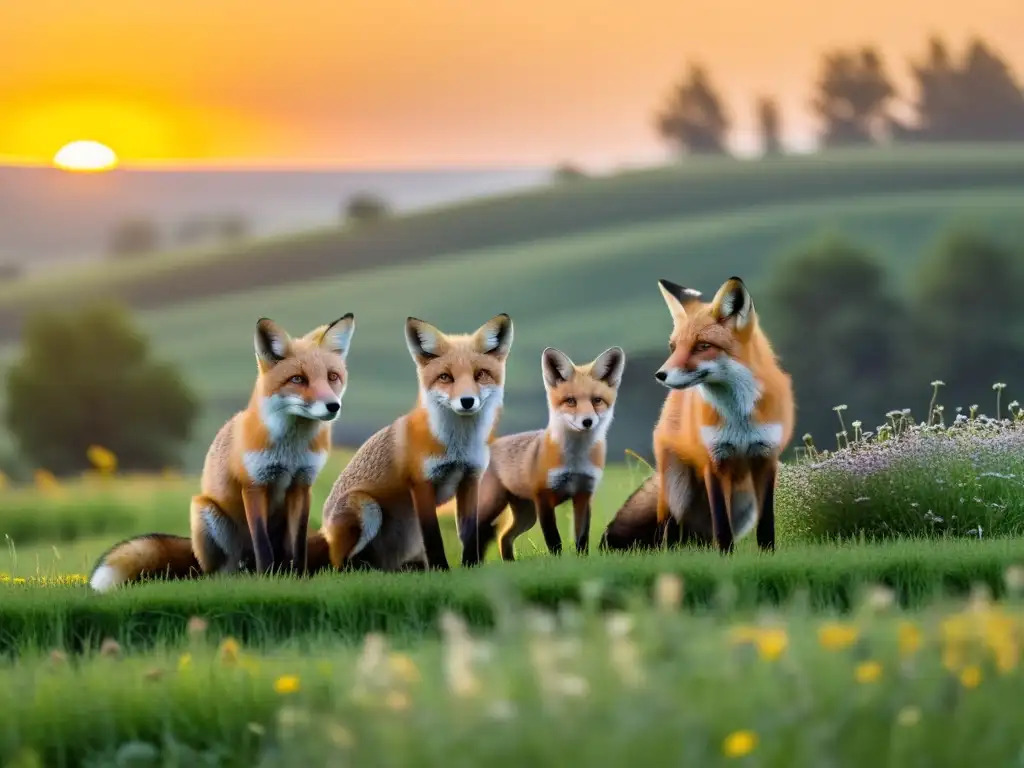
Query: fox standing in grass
[(534, 472), (382, 511), (728, 418), (255, 487)]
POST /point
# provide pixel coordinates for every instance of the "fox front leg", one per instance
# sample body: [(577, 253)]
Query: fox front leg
[(254, 499), (424, 501)]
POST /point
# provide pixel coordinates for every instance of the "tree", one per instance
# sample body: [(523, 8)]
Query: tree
[(852, 100), (134, 237), (976, 100), (770, 123), (836, 328), (567, 172), (694, 120), (86, 377), (968, 318), (364, 207)]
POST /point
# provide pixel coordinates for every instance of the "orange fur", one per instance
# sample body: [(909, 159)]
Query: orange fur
[(382, 510), (533, 472), (254, 497)]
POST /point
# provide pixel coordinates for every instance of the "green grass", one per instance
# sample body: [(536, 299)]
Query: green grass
[(655, 687), (270, 611)]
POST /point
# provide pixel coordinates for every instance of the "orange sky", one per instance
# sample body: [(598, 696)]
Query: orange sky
[(426, 82)]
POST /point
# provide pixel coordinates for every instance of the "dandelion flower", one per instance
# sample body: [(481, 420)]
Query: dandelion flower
[(104, 460), (771, 643), (909, 638), (286, 684), (739, 744), (834, 636), (970, 677), (868, 672), (229, 650)]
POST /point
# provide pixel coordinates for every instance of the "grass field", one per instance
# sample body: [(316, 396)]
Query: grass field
[(886, 647)]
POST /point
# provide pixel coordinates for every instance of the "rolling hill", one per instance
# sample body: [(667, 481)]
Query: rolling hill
[(575, 265)]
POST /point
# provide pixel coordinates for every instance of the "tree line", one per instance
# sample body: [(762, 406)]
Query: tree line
[(970, 96)]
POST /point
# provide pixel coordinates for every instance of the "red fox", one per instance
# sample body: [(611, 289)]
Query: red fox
[(534, 472), (255, 488), (382, 511), (727, 420)]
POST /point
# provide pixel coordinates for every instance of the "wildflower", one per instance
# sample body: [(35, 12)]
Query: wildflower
[(771, 643), (101, 458), (286, 684), (970, 677), (185, 662), (938, 383), (397, 700), (909, 638), (256, 729), (880, 598), (868, 672), (228, 651), (668, 592), (196, 626), (109, 647), (739, 744), (45, 481), (404, 667), (835, 636), (909, 716)]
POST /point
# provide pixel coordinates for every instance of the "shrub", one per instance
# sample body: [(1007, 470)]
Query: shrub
[(912, 479), (84, 378), (365, 207), (134, 237)]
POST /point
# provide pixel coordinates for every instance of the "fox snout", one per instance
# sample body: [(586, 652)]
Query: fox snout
[(465, 404), (324, 406), (679, 378)]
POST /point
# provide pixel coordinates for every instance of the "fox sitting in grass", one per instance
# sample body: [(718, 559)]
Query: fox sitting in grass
[(729, 416), (253, 506), (382, 511), (534, 472)]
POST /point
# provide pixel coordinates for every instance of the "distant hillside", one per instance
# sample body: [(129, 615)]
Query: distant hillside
[(576, 267), (46, 214)]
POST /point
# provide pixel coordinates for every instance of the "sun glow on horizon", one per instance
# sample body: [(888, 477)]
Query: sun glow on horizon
[(85, 156)]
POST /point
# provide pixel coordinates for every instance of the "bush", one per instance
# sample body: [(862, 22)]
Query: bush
[(365, 207), (86, 378), (908, 479), (568, 172)]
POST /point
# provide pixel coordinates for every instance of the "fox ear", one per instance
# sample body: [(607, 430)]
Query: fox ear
[(732, 304), (495, 336), (556, 366), (676, 297), (272, 343), (609, 366), (423, 339), (337, 336)]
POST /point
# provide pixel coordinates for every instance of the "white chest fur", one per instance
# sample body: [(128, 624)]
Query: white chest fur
[(287, 458), (577, 472), (465, 441), (738, 434)]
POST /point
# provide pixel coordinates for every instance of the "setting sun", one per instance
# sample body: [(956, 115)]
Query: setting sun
[(85, 156)]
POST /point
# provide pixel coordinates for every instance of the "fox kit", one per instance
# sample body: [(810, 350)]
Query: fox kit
[(728, 418), (382, 511), (534, 472), (255, 488)]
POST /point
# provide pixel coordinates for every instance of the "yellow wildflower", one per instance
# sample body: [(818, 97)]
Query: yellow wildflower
[(771, 643), (909, 638), (229, 650), (185, 661), (835, 636), (739, 743), (286, 684), (45, 481), (104, 460), (868, 672), (405, 668), (19, 580), (970, 677)]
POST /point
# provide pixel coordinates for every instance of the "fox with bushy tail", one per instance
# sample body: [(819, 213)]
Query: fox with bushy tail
[(253, 505)]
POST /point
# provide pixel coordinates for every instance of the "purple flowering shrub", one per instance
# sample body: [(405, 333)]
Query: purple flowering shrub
[(910, 479)]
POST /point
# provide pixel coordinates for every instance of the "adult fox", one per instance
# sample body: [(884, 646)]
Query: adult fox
[(729, 416)]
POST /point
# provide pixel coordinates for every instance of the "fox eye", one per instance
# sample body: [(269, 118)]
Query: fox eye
[(570, 401), (446, 378), (701, 346), (671, 347), (480, 376), (298, 379), (333, 376), (597, 400)]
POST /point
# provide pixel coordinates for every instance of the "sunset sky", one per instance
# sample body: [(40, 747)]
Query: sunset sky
[(391, 83)]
